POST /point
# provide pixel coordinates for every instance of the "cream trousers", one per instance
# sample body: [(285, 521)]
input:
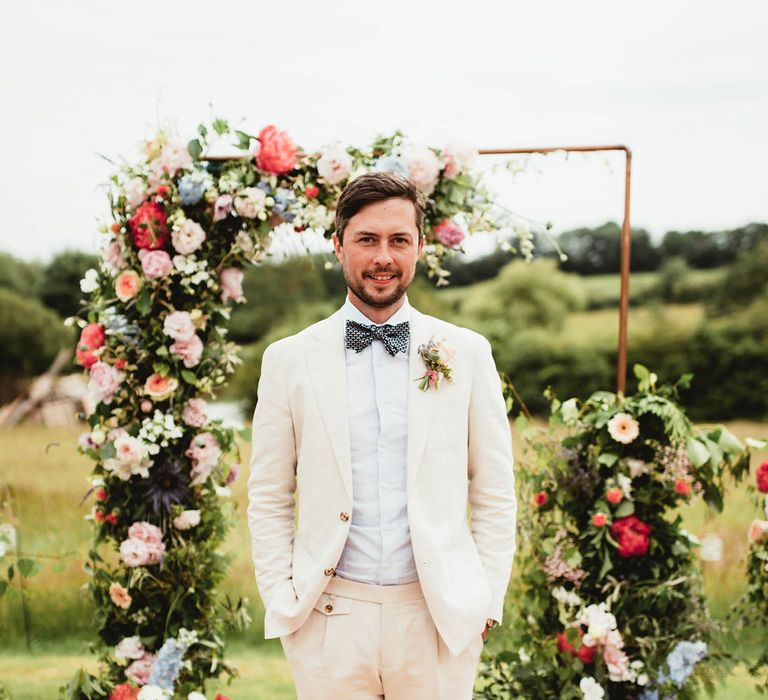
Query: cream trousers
[(366, 642)]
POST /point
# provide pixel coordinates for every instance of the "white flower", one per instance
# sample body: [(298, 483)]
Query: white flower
[(637, 467), (153, 692), (523, 656), (188, 519), (625, 484), (135, 192), (129, 648), (591, 689), (90, 282), (98, 437), (188, 238), (194, 695), (599, 620), (623, 428), (250, 202), (334, 164), (643, 679), (569, 598), (222, 491)]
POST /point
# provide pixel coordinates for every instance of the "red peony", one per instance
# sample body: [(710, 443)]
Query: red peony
[(541, 498), (312, 191), (632, 536), (599, 519), (91, 338), (219, 696), (111, 518), (124, 691), (614, 495), (149, 228), (587, 654), (277, 153), (762, 478), (162, 191), (101, 495)]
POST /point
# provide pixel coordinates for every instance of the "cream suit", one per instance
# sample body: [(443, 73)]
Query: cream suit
[(459, 451)]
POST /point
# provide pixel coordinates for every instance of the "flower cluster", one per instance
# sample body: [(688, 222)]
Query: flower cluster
[(610, 575)]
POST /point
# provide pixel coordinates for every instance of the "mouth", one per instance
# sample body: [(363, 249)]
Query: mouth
[(382, 278)]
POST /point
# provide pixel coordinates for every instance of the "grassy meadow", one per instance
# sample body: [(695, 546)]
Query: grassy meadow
[(49, 482)]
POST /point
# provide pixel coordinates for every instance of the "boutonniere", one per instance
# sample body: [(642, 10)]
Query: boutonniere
[(436, 356)]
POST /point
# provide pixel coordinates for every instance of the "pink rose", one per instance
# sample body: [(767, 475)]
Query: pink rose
[(152, 538), (160, 387), (188, 238), (758, 531), (155, 263), (423, 167), (129, 647), (250, 202), (234, 472), (457, 159), (140, 670), (616, 661), (135, 192), (179, 326), (204, 452), (232, 285), (222, 207), (174, 157), (277, 153), (335, 164), (134, 552), (129, 450), (448, 233), (112, 254), (194, 413), (189, 351), (104, 381), (127, 285)]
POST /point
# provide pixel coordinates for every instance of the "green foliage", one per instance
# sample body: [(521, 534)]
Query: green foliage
[(745, 281), (568, 561), (30, 334), (704, 250), (19, 276), (594, 251), (60, 285)]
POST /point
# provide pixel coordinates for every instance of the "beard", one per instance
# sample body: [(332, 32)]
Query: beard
[(379, 302)]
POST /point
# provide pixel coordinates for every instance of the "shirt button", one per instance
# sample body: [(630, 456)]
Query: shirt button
[(329, 608), (330, 571), (344, 516)]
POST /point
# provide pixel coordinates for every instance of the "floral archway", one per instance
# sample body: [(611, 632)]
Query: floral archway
[(154, 343)]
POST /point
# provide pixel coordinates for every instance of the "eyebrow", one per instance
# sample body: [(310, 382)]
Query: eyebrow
[(378, 235)]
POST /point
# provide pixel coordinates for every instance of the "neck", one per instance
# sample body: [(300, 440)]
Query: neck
[(377, 314)]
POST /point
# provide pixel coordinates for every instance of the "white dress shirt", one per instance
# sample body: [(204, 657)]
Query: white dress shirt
[(378, 548)]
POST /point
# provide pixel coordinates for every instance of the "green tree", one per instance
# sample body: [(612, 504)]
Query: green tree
[(19, 276), (30, 335), (60, 286)]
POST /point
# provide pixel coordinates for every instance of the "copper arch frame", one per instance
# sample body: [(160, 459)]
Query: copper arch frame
[(621, 355), (621, 359)]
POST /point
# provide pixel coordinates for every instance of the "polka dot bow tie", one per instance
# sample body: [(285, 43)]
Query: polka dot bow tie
[(395, 338)]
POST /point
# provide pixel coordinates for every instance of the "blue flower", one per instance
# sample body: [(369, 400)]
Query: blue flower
[(391, 164), (649, 695), (191, 188), (284, 199), (682, 661), (165, 669)]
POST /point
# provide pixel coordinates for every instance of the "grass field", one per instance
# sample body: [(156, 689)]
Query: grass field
[(49, 480)]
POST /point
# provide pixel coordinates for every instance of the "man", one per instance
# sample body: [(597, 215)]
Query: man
[(383, 589)]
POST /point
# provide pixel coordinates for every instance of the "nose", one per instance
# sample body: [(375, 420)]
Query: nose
[(383, 255)]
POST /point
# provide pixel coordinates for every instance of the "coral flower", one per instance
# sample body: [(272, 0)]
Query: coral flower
[(682, 487), (599, 519), (614, 495), (541, 498), (758, 531)]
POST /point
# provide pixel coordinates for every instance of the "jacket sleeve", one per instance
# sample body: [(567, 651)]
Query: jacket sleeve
[(272, 480), (493, 505)]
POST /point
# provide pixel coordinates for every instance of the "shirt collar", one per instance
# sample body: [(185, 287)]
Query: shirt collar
[(352, 313)]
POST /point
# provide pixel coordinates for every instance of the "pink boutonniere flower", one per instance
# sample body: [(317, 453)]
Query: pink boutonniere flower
[(436, 356)]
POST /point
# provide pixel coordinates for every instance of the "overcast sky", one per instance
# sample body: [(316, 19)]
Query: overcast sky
[(684, 84)]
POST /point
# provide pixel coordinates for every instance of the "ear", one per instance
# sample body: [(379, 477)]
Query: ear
[(421, 244), (338, 248)]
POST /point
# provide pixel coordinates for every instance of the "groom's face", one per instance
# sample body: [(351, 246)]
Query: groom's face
[(379, 253)]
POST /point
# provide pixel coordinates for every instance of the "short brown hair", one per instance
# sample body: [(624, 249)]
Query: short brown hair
[(376, 187)]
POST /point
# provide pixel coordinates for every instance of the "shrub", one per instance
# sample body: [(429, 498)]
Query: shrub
[(60, 285), (30, 335)]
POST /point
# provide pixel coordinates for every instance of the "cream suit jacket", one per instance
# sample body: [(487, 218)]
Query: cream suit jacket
[(459, 451)]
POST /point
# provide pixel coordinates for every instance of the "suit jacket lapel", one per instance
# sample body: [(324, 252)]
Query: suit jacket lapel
[(421, 404), (328, 372)]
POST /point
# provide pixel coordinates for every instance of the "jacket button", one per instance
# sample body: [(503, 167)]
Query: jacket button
[(344, 516), (330, 571), (329, 608)]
